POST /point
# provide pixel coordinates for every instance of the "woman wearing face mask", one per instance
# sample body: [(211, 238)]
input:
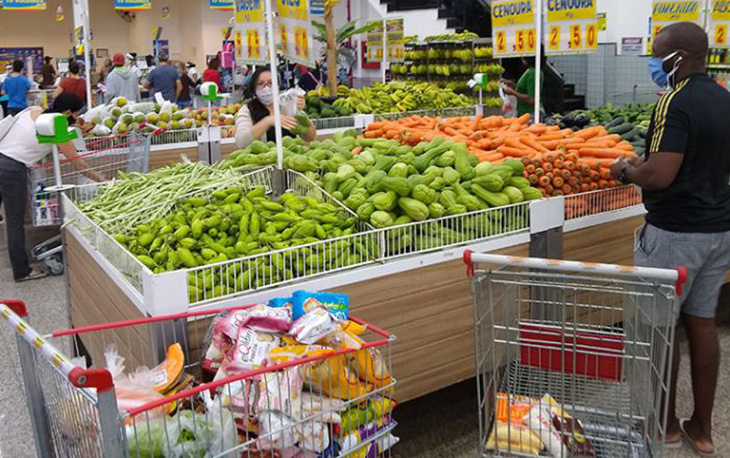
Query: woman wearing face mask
[(255, 120), (20, 150)]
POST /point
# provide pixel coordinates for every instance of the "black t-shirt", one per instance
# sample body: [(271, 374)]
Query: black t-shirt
[(693, 120)]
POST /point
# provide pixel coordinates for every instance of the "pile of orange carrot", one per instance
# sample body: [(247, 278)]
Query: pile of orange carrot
[(495, 138)]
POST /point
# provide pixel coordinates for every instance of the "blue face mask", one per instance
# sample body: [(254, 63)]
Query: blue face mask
[(656, 69)]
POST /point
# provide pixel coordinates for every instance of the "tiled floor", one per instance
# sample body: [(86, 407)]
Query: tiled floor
[(443, 424)]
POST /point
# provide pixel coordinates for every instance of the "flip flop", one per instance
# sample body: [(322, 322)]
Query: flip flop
[(35, 274), (690, 442), (674, 445)]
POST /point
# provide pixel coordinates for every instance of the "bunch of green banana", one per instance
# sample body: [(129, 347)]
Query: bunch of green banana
[(464, 36)]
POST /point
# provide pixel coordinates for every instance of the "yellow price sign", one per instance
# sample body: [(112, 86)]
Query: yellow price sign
[(284, 36), (301, 42), (254, 44), (520, 40), (576, 37), (721, 35), (531, 41), (554, 38), (501, 42), (591, 36), (239, 44)]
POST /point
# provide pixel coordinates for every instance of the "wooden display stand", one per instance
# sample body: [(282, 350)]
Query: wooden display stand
[(162, 158), (428, 309)]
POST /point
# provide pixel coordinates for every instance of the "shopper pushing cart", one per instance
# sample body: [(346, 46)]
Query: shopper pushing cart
[(572, 358), (19, 150)]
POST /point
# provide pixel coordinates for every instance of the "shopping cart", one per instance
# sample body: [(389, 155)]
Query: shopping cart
[(571, 357), (290, 409), (126, 153)]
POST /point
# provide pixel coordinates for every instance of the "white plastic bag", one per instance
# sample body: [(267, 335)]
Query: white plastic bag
[(288, 101), (509, 103), (135, 389)]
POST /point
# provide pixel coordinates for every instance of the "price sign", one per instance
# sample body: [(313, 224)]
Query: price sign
[(513, 28), (250, 32), (664, 13), (571, 26), (131, 4), (394, 41), (23, 5), (295, 30), (719, 23), (374, 40)]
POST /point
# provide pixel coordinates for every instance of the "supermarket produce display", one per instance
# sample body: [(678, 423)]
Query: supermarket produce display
[(630, 121), (396, 97)]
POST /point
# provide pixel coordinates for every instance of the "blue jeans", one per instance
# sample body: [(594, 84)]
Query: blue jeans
[(184, 103)]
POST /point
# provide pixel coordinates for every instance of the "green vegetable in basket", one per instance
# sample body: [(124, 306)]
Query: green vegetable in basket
[(415, 209), (303, 124)]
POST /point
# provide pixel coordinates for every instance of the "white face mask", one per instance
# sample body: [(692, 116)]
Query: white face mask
[(265, 95)]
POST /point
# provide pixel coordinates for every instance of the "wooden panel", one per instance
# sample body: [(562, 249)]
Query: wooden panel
[(611, 243), (430, 312), (171, 156)]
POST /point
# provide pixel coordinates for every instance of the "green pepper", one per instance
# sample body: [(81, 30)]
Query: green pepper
[(182, 232), (146, 239)]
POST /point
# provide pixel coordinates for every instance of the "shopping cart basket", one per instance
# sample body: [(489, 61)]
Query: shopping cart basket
[(294, 408), (127, 153), (571, 357)]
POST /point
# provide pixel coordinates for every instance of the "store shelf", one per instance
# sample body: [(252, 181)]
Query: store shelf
[(724, 66)]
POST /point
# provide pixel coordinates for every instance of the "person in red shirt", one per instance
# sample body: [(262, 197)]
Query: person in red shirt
[(74, 83), (211, 73)]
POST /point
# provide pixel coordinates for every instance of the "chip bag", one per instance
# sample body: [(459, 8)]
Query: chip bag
[(333, 377)]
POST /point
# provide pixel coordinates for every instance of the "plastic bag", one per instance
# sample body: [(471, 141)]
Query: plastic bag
[(288, 101), (97, 114), (509, 103), (135, 389), (304, 301)]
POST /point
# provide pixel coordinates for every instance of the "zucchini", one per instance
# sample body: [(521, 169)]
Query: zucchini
[(631, 134), (621, 129), (617, 121)]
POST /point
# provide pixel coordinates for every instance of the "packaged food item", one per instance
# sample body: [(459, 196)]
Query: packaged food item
[(276, 430), (281, 391), (168, 373), (333, 377), (135, 389), (326, 410), (217, 350), (514, 439), (313, 326), (368, 365), (513, 408), (561, 434), (259, 317), (382, 406), (250, 350), (346, 336), (378, 408), (356, 437), (280, 302), (288, 353), (314, 436), (240, 396), (304, 301)]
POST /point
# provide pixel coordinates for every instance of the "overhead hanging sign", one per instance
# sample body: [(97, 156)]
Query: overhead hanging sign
[(132, 4), (316, 7), (295, 30), (718, 24), (572, 26), (249, 32), (394, 40), (513, 28), (664, 13), (374, 40), (222, 4), (25, 5)]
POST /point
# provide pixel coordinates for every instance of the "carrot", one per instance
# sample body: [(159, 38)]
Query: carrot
[(515, 127), (624, 145), (588, 133), (594, 162), (375, 125), (515, 142), (569, 164), (593, 186), (524, 119), (549, 189), (543, 181), (530, 168), (511, 151), (558, 182), (356, 150), (558, 163), (602, 184), (532, 178), (615, 138), (607, 153), (530, 142), (605, 173), (373, 134), (537, 129), (551, 136), (492, 157), (567, 189), (584, 187)]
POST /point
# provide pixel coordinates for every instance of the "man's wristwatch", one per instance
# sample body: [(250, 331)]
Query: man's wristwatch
[(622, 176)]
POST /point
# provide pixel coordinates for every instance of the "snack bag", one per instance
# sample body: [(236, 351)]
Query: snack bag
[(304, 301), (281, 391), (346, 336), (363, 433), (314, 436), (561, 434), (287, 353), (280, 302), (250, 350), (239, 396), (368, 365), (513, 409), (313, 326), (260, 317), (333, 377), (327, 410), (514, 439)]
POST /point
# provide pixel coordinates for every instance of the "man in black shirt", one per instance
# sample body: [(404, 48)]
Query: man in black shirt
[(685, 178)]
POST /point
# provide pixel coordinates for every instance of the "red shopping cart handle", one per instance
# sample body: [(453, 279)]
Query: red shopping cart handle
[(469, 263), (101, 379), (17, 306)]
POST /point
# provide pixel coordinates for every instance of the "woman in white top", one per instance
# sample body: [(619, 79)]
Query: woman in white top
[(19, 150), (255, 120)]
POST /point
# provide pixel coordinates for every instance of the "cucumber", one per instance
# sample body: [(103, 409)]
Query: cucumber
[(631, 134), (639, 150), (617, 121), (621, 129)]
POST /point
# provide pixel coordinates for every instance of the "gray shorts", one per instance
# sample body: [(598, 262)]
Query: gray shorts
[(705, 256)]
